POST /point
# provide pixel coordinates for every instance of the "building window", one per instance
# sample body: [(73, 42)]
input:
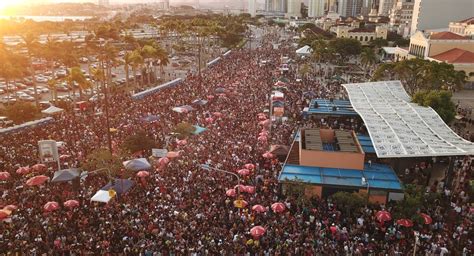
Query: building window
[(366, 38)]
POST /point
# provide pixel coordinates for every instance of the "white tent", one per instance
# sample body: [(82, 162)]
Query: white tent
[(101, 196), (304, 51), (52, 110)]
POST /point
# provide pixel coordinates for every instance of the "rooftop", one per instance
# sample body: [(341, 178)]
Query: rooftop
[(455, 55), (446, 35), (362, 30), (377, 175), (399, 128), (469, 21), (330, 107)]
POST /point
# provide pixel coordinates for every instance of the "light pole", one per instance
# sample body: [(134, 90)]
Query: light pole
[(366, 182), (210, 168)]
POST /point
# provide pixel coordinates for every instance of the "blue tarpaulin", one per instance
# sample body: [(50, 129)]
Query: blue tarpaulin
[(198, 129), (121, 186), (138, 164), (150, 118)]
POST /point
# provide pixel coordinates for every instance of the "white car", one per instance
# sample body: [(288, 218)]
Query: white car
[(27, 98), (40, 79)]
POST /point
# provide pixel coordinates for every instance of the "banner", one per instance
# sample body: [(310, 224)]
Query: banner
[(159, 152), (48, 151)]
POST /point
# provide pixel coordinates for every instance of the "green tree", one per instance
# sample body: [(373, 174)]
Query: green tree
[(138, 142), (346, 47), (21, 112), (30, 42), (351, 202), (102, 159), (440, 101), (184, 129), (368, 57), (77, 77)]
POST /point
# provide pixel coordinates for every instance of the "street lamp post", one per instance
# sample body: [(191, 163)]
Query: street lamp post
[(210, 168), (366, 182)]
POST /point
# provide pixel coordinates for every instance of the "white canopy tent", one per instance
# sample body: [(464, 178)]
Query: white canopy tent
[(304, 51), (52, 110), (399, 128), (101, 196)]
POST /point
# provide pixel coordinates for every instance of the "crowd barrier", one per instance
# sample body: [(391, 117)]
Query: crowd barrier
[(213, 62), (26, 125), (227, 53), (141, 95)]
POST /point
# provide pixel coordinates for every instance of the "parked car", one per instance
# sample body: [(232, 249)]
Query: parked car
[(61, 73), (83, 60), (41, 79), (61, 88)]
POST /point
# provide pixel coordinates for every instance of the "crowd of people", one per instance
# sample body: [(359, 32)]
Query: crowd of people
[(182, 209)]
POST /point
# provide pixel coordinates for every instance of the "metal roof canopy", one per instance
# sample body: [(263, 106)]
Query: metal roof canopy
[(399, 128)]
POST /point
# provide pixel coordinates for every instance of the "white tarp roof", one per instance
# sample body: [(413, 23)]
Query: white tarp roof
[(305, 50), (101, 196), (389, 50), (399, 128), (52, 110)]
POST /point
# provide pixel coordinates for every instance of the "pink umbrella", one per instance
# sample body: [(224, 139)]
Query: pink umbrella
[(278, 207), (4, 213), (405, 223), (64, 157), (426, 218), (163, 161), (231, 192), (172, 154), (71, 203), (210, 97), (23, 170), (249, 189), (257, 231), (4, 175), (268, 155), (39, 167), (259, 208), (249, 166), (209, 119), (243, 172), (143, 174), (240, 187), (10, 207), (383, 216), (51, 206), (182, 142), (37, 180), (217, 114), (262, 139), (262, 117)]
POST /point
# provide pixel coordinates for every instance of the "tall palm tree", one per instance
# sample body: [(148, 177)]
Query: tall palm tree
[(367, 58), (12, 66), (30, 42), (76, 76), (136, 60)]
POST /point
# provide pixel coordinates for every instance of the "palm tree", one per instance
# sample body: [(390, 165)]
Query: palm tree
[(77, 77), (136, 60), (149, 53), (367, 58), (320, 50), (52, 85), (163, 59), (30, 42), (12, 66)]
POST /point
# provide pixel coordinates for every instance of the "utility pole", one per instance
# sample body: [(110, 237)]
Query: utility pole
[(106, 99)]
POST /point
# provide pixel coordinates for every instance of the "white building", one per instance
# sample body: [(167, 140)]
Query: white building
[(252, 7), (463, 27), (432, 14), (348, 8), (385, 6), (294, 8), (315, 8)]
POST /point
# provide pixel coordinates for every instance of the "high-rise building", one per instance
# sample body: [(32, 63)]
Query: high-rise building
[(366, 6), (315, 8), (401, 16), (347, 8), (432, 14), (294, 8), (104, 2), (252, 7), (385, 6)]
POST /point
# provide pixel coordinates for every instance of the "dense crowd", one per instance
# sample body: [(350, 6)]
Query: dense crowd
[(182, 209)]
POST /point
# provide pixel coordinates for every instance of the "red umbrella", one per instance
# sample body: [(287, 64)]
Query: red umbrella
[(249, 166), (71, 203), (243, 172), (4, 213), (4, 175), (37, 180), (39, 167), (209, 119), (383, 216), (278, 207), (182, 142), (249, 189), (143, 174), (210, 97), (51, 206), (231, 192), (217, 114), (64, 157), (268, 155), (10, 207), (405, 223), (172, 154), (259, 208), (257, 231), (23, 170), (163, 161), (428, 220)]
